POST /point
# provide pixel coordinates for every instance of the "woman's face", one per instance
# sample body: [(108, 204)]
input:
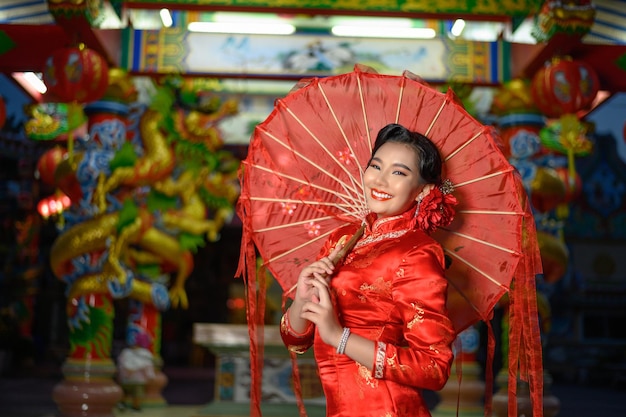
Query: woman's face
[(392, 180)]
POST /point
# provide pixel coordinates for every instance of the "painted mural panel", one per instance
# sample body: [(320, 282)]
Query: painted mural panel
[(436, 60), (485, 7)]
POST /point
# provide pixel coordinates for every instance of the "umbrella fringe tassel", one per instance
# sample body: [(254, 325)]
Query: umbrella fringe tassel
[(491, 349), (525, 356), (255, 287)]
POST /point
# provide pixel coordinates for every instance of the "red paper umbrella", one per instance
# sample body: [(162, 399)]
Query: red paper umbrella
[(76, 74), (302, 177)]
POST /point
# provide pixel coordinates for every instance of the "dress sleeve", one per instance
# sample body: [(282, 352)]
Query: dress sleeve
[(296, 342), (419, 294)]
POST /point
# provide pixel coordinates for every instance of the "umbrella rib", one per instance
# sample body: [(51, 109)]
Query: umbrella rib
[(363, 210), (493, 280), (484, 242), (465, 297), (301, 246), (462, 146), (308, 160), (369, 138), (490, 212), (347, 208), (339, 164), (308, 242), (484, 177), (346, 198), (400, 99), (432, 123), (286, 225), (295, 200), (343, 133), (357, 185)]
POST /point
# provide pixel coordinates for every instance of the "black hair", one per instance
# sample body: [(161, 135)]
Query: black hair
[(429, 159)]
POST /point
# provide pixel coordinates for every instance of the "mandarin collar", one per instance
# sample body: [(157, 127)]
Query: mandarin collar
[(406, 220)]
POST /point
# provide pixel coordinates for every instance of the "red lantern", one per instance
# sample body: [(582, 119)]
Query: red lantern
[(76, 74), (48, 163), (564, 86)]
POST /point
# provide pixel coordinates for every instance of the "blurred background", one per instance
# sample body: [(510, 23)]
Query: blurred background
[(123, 122)]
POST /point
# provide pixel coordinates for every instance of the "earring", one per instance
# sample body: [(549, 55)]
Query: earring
[(417, 207)]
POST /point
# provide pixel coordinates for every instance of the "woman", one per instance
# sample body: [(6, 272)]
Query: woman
[(378, 319)]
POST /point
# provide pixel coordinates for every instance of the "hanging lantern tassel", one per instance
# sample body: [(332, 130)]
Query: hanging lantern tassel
[(70, 135), (574, 140)]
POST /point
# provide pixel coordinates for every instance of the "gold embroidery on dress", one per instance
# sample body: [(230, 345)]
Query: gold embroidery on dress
[(364, 258), (299, 349), (395, 367), (379, 286), (377, 238), (366, 376), (419, 315), (432, 370), (285, 327)]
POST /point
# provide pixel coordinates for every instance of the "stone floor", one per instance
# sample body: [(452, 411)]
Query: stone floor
[(189, 390)]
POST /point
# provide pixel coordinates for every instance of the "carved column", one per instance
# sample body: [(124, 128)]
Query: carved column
[(88, 388), (144, 329)]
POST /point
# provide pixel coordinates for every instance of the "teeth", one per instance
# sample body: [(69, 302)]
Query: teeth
[(378, 194)]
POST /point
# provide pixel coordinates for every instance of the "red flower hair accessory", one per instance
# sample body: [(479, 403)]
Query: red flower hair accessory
[(436, 209)]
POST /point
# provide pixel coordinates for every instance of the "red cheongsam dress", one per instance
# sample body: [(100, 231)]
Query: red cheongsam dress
[(390, 289)]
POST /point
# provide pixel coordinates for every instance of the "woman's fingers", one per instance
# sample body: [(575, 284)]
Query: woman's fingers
[(335, 253), (323, 292), (320, 267)]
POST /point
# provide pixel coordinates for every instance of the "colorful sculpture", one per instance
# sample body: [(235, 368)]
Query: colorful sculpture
[(570, 18), (141, 205)]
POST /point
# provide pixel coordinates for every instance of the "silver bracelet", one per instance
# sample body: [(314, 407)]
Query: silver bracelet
[(341, 348)]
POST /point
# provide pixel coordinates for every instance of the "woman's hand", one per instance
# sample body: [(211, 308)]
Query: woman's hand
[(321, 269), (321, 312), (307, 292)]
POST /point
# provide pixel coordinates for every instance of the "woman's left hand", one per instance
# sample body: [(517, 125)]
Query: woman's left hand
[(322, 312)]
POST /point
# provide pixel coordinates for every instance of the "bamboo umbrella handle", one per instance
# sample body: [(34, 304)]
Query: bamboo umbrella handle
[(342, 253), (349, 245)]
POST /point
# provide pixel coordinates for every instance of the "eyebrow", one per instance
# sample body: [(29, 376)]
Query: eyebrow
[(396, 164)]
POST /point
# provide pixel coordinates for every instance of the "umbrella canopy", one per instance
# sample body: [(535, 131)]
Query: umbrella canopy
[(302, 178)]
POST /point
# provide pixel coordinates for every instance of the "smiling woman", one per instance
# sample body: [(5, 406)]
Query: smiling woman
[(325, 127), (404, 168), (379, 317)]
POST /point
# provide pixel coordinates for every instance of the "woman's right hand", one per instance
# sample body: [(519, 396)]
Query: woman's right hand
[(323, 269), (306, 291)]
